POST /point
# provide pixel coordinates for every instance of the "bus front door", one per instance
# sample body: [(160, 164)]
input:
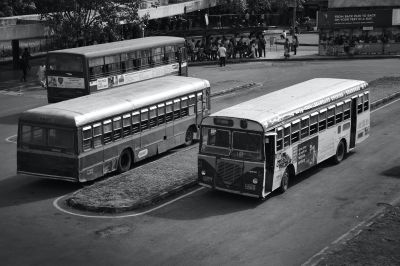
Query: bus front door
[(353, 127), (269, 162)]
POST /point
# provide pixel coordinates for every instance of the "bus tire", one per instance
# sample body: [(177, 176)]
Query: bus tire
[(125, 161), (189, 136), (285, 181), (340, 152)]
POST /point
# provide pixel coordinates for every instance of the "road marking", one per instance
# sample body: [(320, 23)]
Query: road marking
[(58, 207), (12, 139)]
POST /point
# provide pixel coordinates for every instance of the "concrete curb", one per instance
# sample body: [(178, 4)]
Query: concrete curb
[(168, 193), (297, 58), (141, 204)]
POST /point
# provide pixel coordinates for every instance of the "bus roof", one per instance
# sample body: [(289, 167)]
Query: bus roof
[(109, 103), (121, 46), (273, 108)]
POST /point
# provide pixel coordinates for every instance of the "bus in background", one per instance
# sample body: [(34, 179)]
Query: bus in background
[(84, 138), (257, 146), (75, 72)]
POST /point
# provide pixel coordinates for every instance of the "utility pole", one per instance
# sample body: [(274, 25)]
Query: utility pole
[(294, 16)]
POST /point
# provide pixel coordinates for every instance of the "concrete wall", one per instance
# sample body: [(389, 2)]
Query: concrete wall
[(22, 31)]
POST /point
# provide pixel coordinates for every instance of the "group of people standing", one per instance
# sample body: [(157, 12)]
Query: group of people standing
[(210, 50), (288, 47)]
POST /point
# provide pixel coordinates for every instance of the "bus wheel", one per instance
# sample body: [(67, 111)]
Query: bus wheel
[(189, 137), (125, 161), (285, 181), (340, 152)]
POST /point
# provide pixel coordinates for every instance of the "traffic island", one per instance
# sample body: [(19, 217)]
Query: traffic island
[(143, 186)]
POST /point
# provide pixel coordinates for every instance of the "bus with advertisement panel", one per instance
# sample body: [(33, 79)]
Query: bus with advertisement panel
[(80, 71), (256, 147), (84, 138)]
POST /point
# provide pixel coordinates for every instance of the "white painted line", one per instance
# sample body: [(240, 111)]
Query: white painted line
[(57, 206), (387, 104), (12, 139), (313, 257)]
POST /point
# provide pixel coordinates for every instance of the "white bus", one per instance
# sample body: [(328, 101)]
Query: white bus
[(255, 147), (84, 138)]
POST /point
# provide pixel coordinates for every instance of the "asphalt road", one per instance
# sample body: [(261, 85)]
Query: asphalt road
[(209, 228)]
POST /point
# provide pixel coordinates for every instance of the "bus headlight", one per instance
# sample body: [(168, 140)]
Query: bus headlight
[(255, 181)]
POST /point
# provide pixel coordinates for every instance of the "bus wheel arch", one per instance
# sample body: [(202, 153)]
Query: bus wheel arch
[(341, 151), (286, 176), (189, 135), (125, 160)]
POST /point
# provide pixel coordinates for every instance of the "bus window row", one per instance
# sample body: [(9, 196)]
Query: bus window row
[(124, 125), (318, 121), (135, 60)]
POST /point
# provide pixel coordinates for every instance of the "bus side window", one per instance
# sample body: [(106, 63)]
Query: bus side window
[(177, 108), (126, 125), (360, 104), (153, 116), (135, 122), (295, 131), (97, 135), (157, 55), (314, 123), (184, 106), (322, 120), (144, 59), (161, 113), (117, 126), (305, 129), (279, 139), (168, 112), (339, 113), (346, 108), (131, 62), (331, 116), (199, 102), (112, 63), (366, 101), (96, 67), (192, 103), (144, 119), (87, 138), (286, 135), (107, 131)]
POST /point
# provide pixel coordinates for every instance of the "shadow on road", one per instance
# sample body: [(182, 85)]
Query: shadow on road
[(18, 190)]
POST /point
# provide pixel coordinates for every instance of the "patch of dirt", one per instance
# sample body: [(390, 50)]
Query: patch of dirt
[(377, 244)]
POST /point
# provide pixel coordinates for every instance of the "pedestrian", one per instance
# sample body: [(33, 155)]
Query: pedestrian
[(222, 55), (286, 47), (261, 46), (283, 35), (25, 65), (295, 44)]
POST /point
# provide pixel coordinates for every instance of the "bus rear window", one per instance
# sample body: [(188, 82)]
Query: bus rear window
[(47, 138), (65, 62)]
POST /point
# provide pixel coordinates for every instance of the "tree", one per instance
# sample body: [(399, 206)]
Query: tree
[(81, 22), (10, 8)]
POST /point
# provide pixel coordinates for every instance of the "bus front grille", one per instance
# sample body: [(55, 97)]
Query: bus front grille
[(229, 173)]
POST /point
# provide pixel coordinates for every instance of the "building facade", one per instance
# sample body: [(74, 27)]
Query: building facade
[(352, 27)]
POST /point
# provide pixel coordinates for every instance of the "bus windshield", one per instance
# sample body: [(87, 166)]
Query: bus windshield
[(65, 63), (235, 144), (44, 138)]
